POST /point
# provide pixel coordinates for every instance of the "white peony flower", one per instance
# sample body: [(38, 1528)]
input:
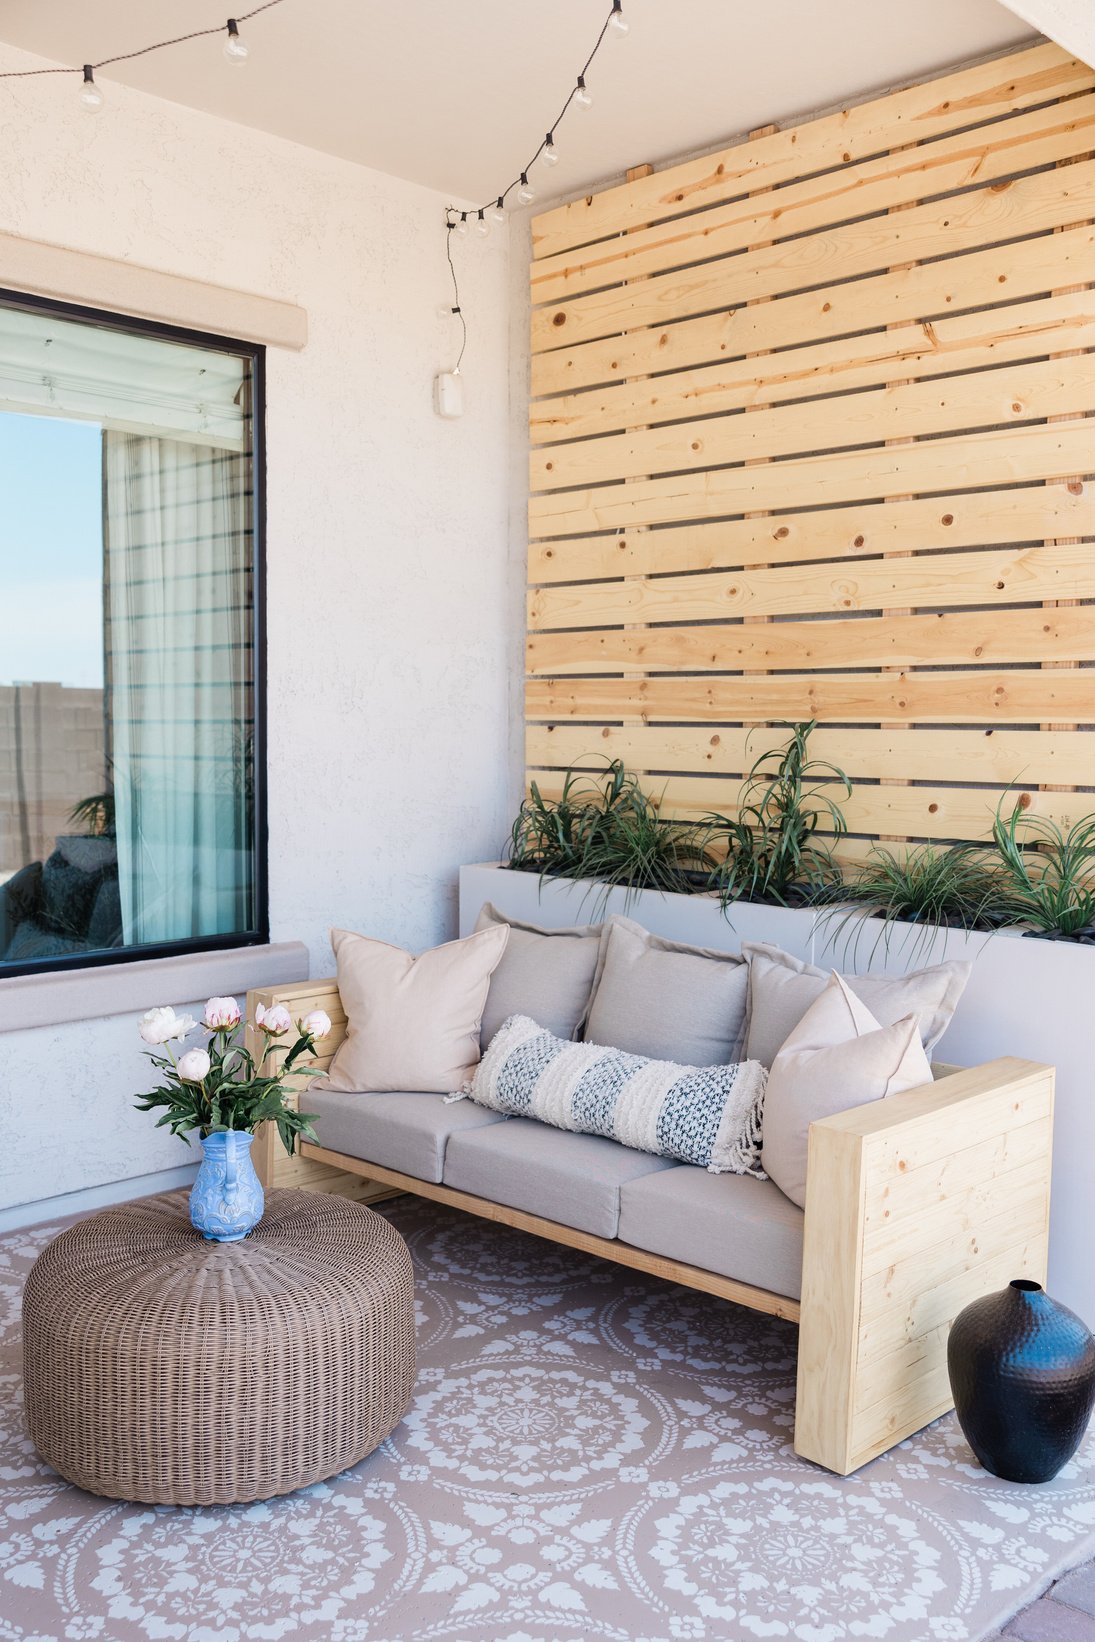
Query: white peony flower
[(273, 1021), (221, 1015), (194, 1065), (317, 1023), (158, 1026)]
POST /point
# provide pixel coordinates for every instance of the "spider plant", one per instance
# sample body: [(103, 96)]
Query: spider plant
[(634, 850), (1050, 872), (96, 814), (552, 835), (933, 889), (603, 826), (773, 853)]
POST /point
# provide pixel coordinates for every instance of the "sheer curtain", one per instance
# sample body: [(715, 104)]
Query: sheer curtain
[(177, 596)]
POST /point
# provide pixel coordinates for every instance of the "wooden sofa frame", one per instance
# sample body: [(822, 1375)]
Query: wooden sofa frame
[(914, 1206)]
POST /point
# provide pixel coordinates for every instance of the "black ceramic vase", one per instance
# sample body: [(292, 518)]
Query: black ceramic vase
[(1022, 1370)]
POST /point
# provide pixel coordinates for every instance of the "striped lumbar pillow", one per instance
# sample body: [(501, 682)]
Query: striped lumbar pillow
[(709, 1115)]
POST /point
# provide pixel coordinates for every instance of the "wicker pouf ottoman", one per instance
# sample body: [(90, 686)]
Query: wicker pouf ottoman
[(163, 1368)]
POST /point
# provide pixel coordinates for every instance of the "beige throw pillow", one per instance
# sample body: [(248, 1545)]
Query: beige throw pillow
[(837, 1057), (782, 988), (545, 973), (665, 999), (412, 1023)]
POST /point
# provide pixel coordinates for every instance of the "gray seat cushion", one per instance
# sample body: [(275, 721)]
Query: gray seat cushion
[(733, 1224), (408, 1132), (573, 1179)]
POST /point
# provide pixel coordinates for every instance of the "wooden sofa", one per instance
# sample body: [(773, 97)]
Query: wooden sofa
[(915, 1205)]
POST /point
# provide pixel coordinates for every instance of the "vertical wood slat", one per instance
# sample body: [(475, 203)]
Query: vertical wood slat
[(757, 135), (634, 174), (979, 450), (897, 724), (1063, 540)]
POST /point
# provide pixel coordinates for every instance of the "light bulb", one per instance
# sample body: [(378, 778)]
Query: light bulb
[(583, 97), (499, 212), (526, 193), (551, 153), (460, 226), (482, 226), (618, 23), (235, 49), (90, 95)]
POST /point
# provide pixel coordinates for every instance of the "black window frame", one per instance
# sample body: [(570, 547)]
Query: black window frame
[(256, 352)]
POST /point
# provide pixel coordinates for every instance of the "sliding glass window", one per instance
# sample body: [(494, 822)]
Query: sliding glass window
[(131, 815)]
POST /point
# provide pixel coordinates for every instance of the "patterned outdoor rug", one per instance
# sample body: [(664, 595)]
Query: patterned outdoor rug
[(589, 1454)]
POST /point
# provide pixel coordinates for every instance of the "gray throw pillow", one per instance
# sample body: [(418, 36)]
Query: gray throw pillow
[(545, 973), (782, 988), (665, 999)]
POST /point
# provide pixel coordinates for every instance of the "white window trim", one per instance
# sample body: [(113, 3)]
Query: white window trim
[(90, 281)]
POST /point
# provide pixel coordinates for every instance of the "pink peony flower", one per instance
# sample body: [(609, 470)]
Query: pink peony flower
[(317, 1023), (273, 1021), (221, 1015)]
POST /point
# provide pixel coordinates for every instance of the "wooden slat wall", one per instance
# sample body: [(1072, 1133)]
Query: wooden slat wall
[(810, 429)]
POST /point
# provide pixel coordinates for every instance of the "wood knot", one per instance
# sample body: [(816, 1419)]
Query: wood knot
[(559, 319), (947, 519)]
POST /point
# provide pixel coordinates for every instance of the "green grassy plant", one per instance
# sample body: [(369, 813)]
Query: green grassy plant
[(772, 849), (1049, 872), (932, 889), (604, 827)]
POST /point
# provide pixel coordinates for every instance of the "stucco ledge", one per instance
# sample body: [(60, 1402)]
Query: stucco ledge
[(53, 999)]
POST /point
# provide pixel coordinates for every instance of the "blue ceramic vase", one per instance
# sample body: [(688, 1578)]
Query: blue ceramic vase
[(226, 1200), (1022, 1370)]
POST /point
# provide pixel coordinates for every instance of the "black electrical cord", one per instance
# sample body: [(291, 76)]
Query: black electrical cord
[(456, 308), (453, 214), (127, 56)]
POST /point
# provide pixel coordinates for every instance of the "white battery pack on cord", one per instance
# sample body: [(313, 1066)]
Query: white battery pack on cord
[(448, 394)]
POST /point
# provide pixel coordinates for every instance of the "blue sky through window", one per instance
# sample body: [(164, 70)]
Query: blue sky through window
[(51, 551)]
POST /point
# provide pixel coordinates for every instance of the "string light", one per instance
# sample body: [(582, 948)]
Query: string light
[(235, 49), (90, 95), (456, 222), (618, 23)]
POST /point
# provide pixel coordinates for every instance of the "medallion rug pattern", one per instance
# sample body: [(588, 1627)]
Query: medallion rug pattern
[(589, 1453)]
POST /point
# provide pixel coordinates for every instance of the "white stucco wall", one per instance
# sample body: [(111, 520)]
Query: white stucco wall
[(395, 583)]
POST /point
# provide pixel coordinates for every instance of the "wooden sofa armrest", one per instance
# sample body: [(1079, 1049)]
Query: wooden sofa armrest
[(299, 997), (915, 1205)]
